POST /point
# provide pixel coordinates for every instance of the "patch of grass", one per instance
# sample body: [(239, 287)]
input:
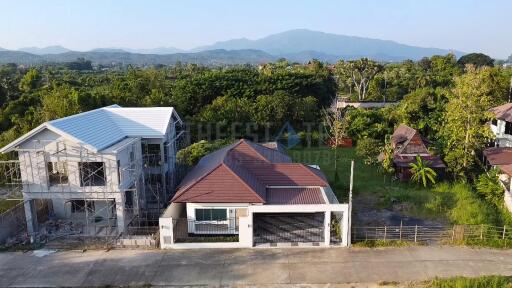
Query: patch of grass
[(383, 243), (7, 204), (478, 282), (369, 183)]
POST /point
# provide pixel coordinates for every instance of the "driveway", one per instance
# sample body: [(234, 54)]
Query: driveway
[(248, 266)]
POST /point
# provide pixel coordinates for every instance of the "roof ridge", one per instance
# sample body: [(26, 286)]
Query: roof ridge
[(243, 181), (181, 192), (254, 149), (305, 167)]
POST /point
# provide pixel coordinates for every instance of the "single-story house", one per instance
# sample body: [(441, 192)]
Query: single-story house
[(247, 194), (407, 143)]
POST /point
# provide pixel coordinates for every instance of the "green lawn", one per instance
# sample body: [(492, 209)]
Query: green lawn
[(478, 282), (7, 204), (372, 189), (444, 203)]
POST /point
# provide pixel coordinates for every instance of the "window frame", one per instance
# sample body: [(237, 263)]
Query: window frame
[(211, 219), (54, 176), (87, 165)]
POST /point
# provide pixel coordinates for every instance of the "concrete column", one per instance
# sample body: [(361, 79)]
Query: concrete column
[(345, 229), (120, 215), (30, 216), (327, 228), (166, 232)]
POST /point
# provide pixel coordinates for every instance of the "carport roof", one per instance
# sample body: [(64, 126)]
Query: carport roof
[(284, 196)]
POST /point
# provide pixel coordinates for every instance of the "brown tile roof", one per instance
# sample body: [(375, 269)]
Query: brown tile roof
[(241, 173), (283, 196), (498, 155), (503, 112), (402, 133)]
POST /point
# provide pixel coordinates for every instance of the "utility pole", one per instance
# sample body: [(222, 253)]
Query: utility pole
[(510, 91), (350, 204)]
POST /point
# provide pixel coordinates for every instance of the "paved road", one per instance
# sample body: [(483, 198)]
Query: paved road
[(248, 266)]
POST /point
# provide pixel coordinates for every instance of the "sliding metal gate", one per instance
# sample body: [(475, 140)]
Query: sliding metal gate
[(288, 228)]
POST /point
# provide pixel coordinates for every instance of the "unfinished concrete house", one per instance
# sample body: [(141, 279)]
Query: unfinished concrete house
[(105, 172)]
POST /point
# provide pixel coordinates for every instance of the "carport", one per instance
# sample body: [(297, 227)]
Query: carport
[(294, 228)]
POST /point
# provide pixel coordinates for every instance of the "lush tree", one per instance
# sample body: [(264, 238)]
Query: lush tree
[(60, 102), (368, 149), (476, 59), (465, 131), (30, 81), (421, 173), (359, 72), (190, 155)]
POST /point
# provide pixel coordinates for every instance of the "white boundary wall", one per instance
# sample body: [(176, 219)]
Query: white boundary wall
[(246, 224)]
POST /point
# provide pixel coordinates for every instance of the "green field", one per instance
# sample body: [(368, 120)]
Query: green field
[(375, 193)]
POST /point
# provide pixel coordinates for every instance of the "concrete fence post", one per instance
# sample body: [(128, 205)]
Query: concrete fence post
[(415, 233), (385, 232), (481, 231), (400, 230), (503, 236)]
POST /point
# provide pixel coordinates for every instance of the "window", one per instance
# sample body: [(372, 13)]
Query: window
[(212, 214), (151, 154), (78, 206), (494, 122), (92, 174), (166, 152), (119, 172), (508, 128), (128, 196), (57, 173)]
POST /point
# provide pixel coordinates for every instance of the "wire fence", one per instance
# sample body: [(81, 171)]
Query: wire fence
[(433, 234)]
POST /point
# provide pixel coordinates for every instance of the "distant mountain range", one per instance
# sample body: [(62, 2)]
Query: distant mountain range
[(295, 45)]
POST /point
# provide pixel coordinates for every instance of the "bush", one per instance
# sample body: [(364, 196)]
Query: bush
[(190, 155), (488, 185), (462, 205), (479, 282), (368, 149)]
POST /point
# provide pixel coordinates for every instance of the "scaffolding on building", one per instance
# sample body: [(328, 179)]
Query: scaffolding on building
[(96, 189)]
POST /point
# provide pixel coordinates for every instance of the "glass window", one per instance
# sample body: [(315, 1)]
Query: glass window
[(57, 173), (494, 122), (508, 128), (92, 174), (211, 214)]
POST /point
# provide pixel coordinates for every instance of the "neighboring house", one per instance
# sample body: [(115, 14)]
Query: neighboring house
[(249, 195), (501, 125), (500, 156), (407, 143), (100, 171)]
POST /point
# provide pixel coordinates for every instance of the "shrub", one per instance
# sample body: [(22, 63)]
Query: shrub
[(190, 155), (489, 187), (368, 149)]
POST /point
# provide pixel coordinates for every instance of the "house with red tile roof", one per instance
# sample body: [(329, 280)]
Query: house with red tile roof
[(251, 194)]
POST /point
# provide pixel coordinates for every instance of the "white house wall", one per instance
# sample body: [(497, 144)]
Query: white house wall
[(502, 139)]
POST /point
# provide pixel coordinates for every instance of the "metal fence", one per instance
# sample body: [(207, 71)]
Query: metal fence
[(433, 234), (189, 230)]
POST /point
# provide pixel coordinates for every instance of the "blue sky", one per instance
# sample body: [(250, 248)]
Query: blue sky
[(466, 25)]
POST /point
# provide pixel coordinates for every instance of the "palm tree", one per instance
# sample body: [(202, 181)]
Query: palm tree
[(421, 173)]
